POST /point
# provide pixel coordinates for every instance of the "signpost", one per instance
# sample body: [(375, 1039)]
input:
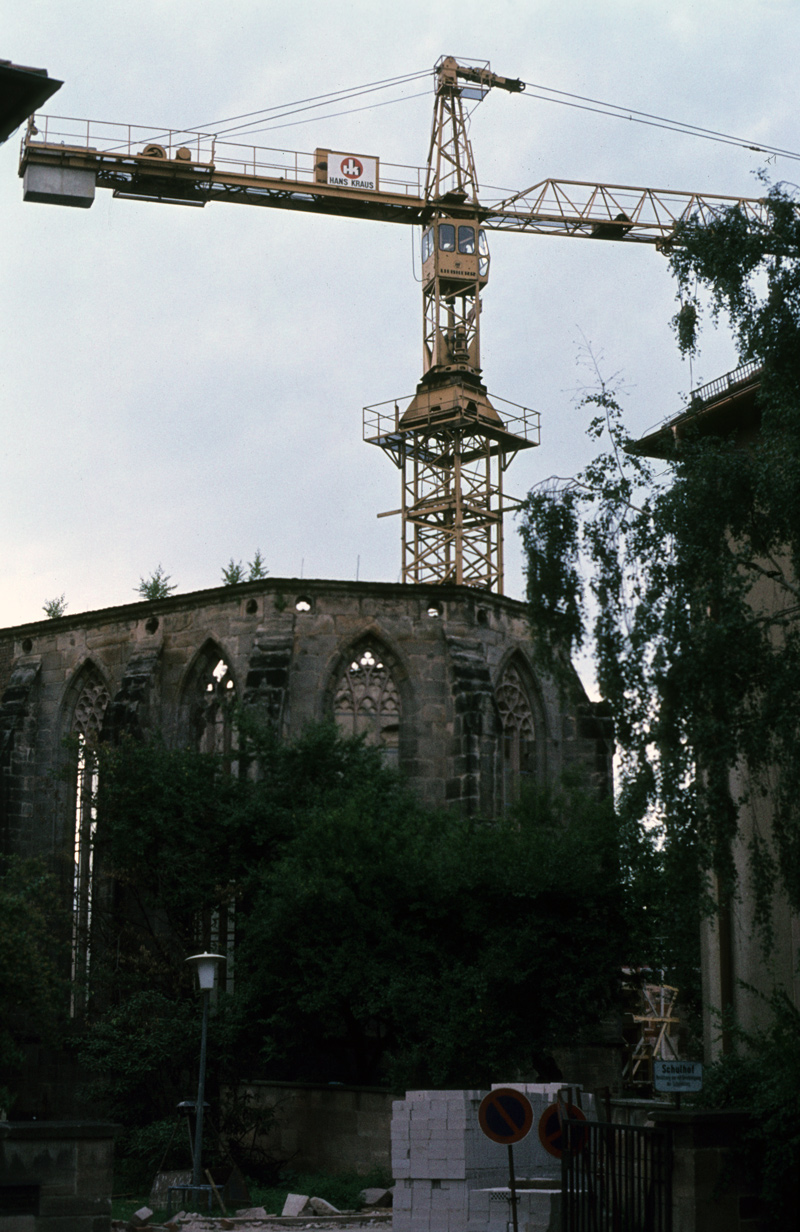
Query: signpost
[(506, 1115)]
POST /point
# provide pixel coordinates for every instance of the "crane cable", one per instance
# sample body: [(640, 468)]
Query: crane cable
[(304, 104), (654, 121), (331, 114), (268, 118)]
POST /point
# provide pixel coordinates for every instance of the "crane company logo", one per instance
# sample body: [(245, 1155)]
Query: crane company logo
[(352, 171)]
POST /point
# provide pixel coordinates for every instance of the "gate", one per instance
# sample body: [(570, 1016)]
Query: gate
[(616, 1178)]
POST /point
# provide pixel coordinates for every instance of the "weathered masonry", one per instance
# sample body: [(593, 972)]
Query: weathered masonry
[(441, 678)]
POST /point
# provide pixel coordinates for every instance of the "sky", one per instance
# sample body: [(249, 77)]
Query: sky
[(181, 386)]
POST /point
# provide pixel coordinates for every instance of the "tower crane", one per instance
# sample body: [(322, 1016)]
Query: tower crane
[(449, 441)]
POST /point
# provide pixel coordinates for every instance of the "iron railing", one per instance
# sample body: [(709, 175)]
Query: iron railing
[(616, 1178)]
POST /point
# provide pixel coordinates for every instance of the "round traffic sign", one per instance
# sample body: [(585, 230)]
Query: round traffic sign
[(505, 1115), (552, 1134)]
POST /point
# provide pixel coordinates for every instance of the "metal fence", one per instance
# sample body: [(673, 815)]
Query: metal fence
[(616, 1178)]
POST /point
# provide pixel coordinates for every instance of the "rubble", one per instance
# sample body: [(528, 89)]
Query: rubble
[(295, 1204), (320, 1207), (375, 1197), (141, 1217)]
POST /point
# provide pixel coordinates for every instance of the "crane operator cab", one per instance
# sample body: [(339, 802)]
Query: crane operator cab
[(450, 251)]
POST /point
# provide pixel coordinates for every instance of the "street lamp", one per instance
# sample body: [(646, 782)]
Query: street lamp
[(206, 967)]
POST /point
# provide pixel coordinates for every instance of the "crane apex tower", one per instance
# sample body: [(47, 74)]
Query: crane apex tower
[(450, 443)]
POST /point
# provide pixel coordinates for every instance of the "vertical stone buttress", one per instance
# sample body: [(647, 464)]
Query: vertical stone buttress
[(473, 751), (18, 727), (266, 686)]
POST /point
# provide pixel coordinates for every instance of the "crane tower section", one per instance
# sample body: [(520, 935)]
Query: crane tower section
[(450, 443)]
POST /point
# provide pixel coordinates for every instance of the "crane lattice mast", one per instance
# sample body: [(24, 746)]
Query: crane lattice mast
[(450, 443)]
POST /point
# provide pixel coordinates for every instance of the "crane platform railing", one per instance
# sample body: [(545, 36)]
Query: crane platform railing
[(110, 141), (520, 427)]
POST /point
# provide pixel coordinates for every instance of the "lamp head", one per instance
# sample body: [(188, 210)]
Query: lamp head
[(206, 967)]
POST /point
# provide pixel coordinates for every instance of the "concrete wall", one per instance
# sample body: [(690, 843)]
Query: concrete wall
[(709, 1190), (326, 1128), (56, 1176)]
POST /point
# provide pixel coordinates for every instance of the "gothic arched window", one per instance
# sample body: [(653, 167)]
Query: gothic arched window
[(518, 732), (86, 725), (366, 701), (211, 702)]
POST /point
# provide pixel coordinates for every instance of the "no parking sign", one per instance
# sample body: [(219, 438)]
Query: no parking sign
[(505, 1115), (552, 1133)]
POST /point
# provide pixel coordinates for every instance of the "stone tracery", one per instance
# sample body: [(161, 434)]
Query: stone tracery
[(518, 731), (366, 700), (86, 724)]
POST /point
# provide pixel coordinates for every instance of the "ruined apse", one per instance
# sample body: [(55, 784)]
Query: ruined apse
[(442, 679)]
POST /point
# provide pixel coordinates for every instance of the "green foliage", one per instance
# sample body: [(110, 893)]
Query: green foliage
[(234, 572), (142, 1054), (33, 964), (257, 567), (375, 941), (54, 608), (763, 1076), (688, 583), (430, 949), (341, 1189), (157, 586)]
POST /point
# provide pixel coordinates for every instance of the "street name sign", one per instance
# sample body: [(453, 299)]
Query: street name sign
[(678, 1075)]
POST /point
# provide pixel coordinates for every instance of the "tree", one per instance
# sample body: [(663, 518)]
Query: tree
[(234, 571), (257, 568), (691, 579), (429, 949), (157, 586), (33, 965), (375, 940), (54, 608)]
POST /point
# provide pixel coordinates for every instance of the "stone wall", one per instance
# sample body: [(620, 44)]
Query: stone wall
[(56, 1176)]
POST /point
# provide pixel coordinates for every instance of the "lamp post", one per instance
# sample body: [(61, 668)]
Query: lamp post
[(206, 967)]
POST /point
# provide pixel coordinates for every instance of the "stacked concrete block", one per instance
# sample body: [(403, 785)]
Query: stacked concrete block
[(432, 1155), (451, 1178), (538, 1210)]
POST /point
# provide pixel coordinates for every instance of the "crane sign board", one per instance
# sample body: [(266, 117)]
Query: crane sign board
[(678, 1075), (349, 170)]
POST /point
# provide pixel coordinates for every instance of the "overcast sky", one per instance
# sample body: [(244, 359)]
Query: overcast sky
[(180, 386)]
